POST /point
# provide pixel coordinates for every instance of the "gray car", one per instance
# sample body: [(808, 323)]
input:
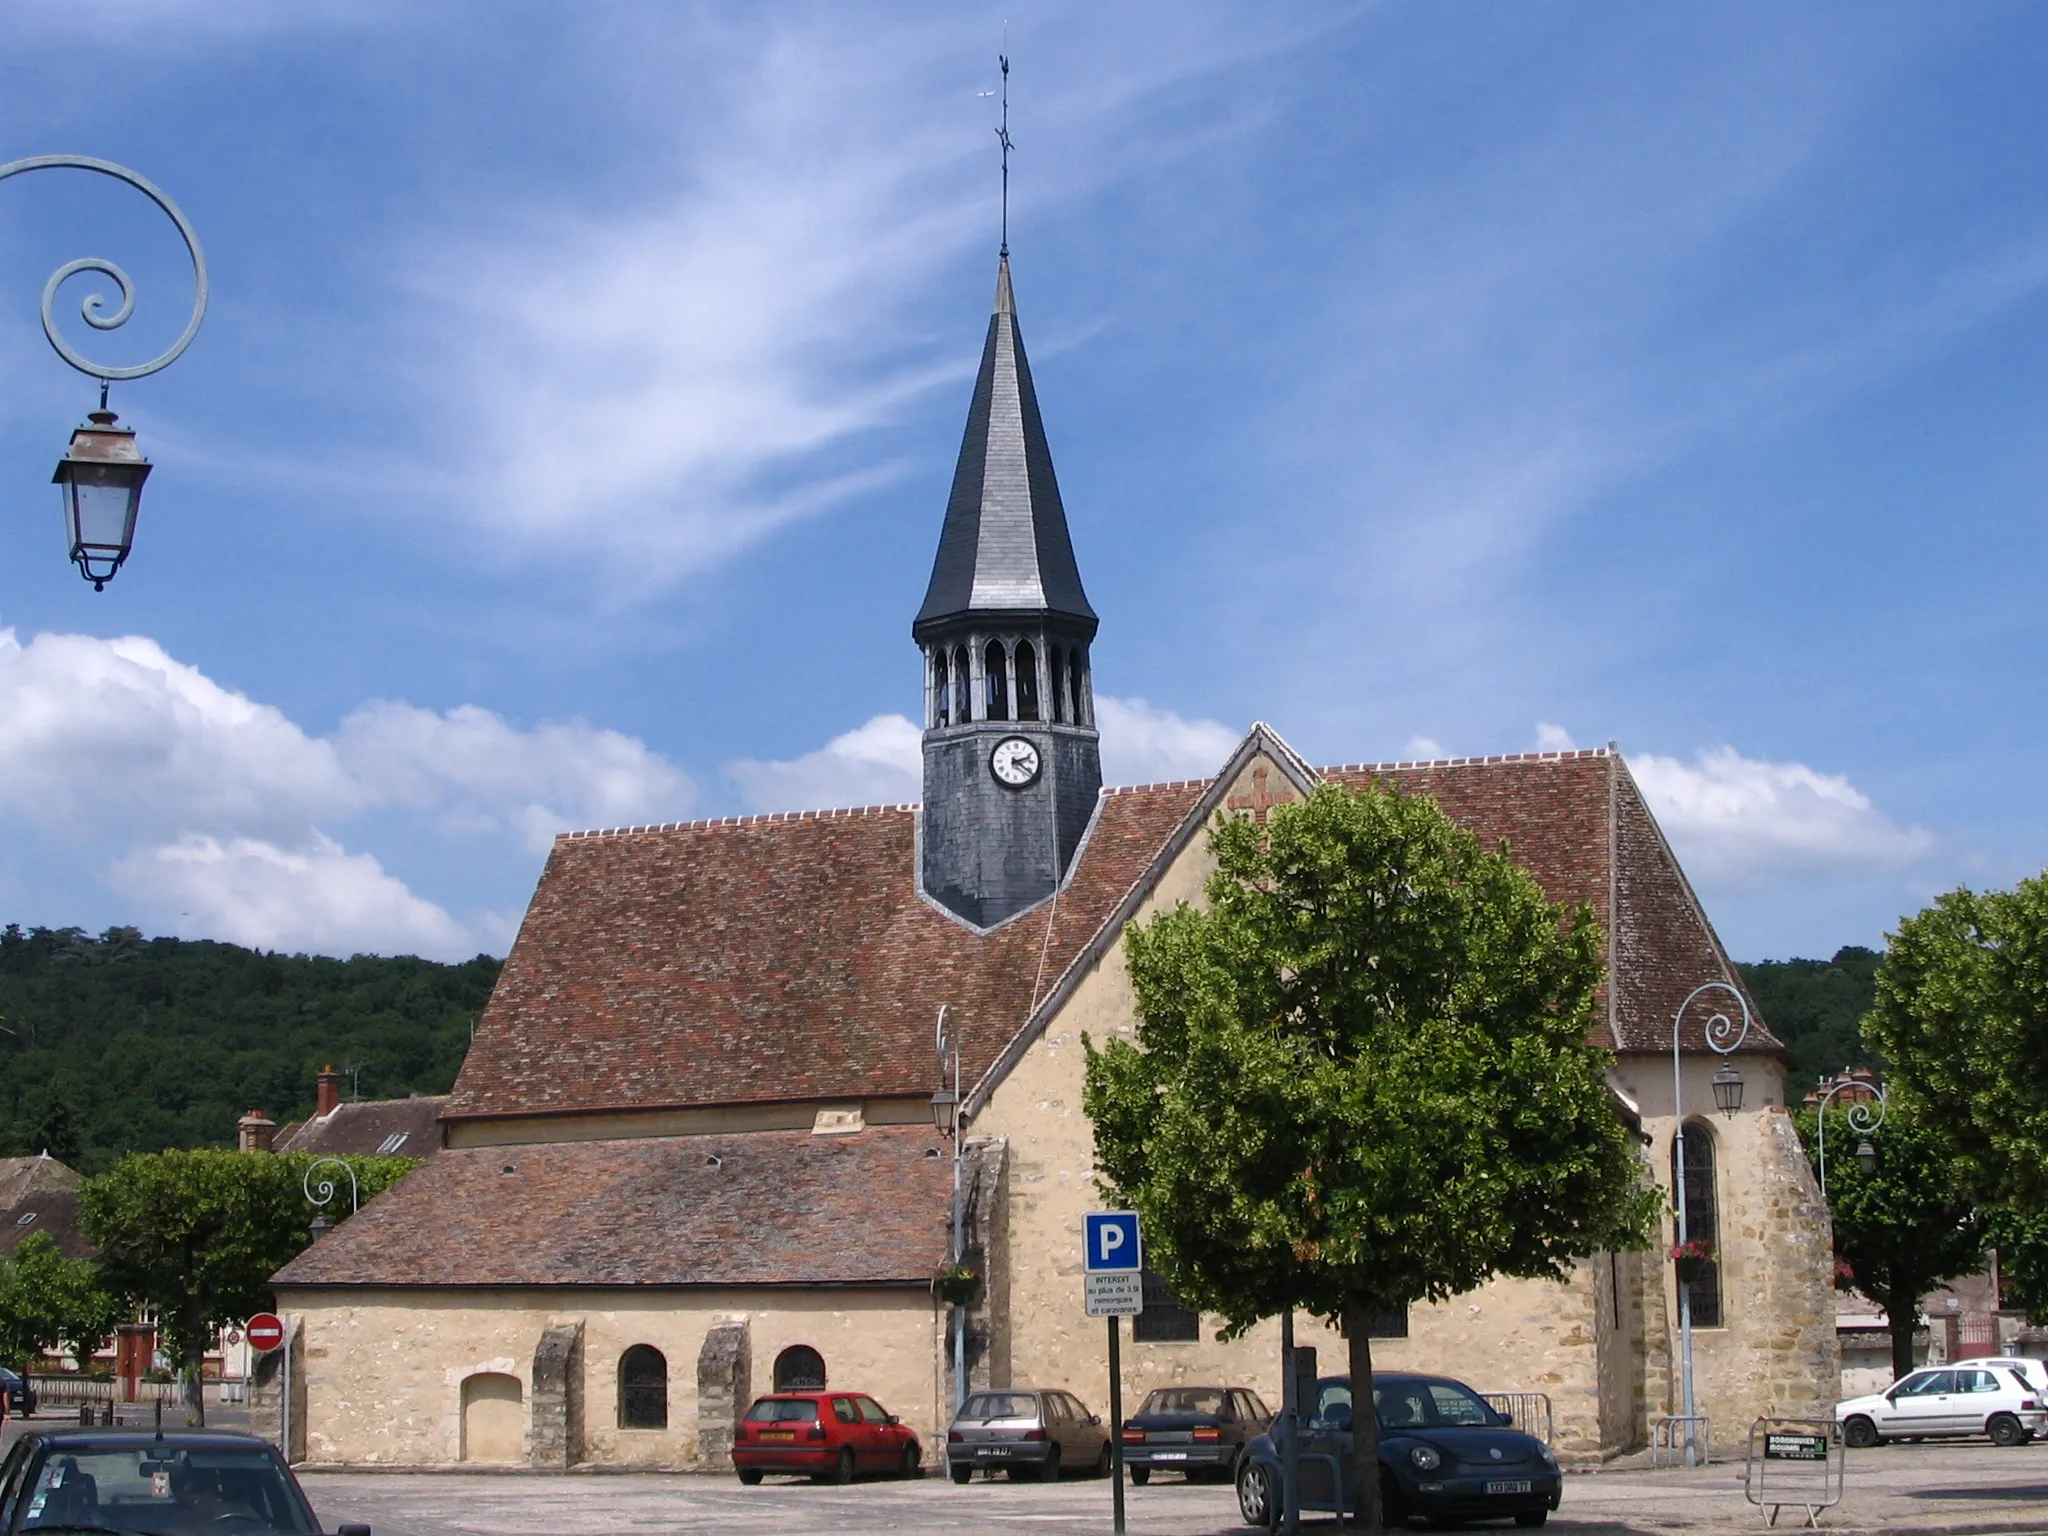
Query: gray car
[(1027, 1431)]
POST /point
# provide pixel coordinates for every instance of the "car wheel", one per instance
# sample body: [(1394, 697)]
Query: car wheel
[(2004, 1430), (1140, 1476), (1103, 1463), (1532, 1517), (1859, 1433), (1049, 1469), (912, 1464), (963, 1475), (751, 1476), (1258, 1499), (842, 1469)]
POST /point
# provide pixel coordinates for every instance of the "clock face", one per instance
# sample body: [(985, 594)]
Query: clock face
[(1014, 761)]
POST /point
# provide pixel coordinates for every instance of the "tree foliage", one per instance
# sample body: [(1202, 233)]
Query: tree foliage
[(124, 1044), (47, 1300), (1361, 1078), (196, 1235), (1903, 1228), (1962, 1018), (1816, 1007)]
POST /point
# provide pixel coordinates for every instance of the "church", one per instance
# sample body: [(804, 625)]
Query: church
[(692, 1154)]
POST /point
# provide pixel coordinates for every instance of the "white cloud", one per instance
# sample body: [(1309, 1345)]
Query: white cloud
[(478, 773), (1735, 819), (1554, 738), (880, 763), (1422, 749), (317, 898), (1142, 744)]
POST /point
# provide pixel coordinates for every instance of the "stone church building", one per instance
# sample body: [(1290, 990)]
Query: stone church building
[(691, 1155)]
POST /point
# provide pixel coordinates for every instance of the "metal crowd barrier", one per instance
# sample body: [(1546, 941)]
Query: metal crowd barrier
[(1530, 1411), (1794, 1464)]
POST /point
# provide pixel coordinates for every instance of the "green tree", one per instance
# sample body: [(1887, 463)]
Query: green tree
[(1362, 1079), (1962, 1018), (1816, 1007), (197, 1235), (47, 1300), (1903, 1228)]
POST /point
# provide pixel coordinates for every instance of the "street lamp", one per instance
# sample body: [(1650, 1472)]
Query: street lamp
[(323, 1192), (1865, 1116), (946, 1116), (103, 471), (1723, 1038)]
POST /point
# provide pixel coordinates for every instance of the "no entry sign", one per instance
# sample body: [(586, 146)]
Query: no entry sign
[(266, 1332)]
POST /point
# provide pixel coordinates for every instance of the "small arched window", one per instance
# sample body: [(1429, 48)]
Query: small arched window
[(1077, 683), (963, 687), (1057, 675), (643, 1388), (1027, 681), (799, 1368), (942, 693), (1702, 1219), (995, 679)]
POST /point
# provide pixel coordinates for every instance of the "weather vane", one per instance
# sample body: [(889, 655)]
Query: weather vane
[(1003, 138)]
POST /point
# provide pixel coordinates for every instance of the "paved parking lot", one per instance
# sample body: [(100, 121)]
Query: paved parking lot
[(1895, 1489)]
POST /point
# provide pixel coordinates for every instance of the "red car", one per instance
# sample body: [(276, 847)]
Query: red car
[(828, 1436)]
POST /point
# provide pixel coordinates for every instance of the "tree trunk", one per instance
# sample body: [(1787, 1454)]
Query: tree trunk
[(1902, 1330), (1365, 1423), (192, 1364)]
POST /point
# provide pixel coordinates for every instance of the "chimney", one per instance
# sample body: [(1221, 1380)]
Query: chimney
[(327, 1092), (254, 1132)]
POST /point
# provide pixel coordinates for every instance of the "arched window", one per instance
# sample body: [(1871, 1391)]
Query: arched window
[(643, 1388), (1077, 683), (1057, 674), (963, 687), (995, 679), (1702, 1218), (799, 1368), (942, 693), (1027, 681)]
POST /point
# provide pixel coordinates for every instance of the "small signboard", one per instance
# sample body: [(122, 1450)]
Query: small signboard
[(1779, 1447), (1118, 1294), (1109, 1243), (266, 1332)]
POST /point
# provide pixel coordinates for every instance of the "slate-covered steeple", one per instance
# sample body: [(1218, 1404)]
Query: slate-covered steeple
[(1012, 766)]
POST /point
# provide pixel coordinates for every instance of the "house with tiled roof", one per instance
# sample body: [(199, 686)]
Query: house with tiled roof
[(40, 1194), (692, 1153)]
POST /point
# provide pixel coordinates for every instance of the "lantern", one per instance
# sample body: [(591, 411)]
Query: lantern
[(1728, 1091), (945, 1104), (102, 476)]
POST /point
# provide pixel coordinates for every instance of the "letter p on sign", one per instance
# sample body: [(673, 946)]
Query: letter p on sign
[(1109, 1242)]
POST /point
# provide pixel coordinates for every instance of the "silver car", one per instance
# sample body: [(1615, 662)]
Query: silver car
[(1027, 1431)]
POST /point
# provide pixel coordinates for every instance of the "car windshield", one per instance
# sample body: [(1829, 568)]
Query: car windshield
[(1001, 1405), (164, 1491), (1408, 1405), (1185, 1400), (783, 1410)]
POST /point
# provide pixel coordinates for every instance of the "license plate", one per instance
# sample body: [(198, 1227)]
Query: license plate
[(778, 1434), (993, 1450), (1169, 1455), (1519, 1486)]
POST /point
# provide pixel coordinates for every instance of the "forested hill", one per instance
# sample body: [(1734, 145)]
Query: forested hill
[(1816, 1007), (121, 1043)]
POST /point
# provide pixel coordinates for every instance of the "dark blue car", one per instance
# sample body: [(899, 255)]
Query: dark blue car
[(1443, 1453)]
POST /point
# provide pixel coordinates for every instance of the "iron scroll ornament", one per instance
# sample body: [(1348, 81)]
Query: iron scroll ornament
[(94, 306), (1722, 1035)]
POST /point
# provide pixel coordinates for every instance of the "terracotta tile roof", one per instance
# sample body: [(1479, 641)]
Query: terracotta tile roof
[(409, 1127), (22, 1176), (775, 1208), (50, 1210), (772, 958), (789, 957)]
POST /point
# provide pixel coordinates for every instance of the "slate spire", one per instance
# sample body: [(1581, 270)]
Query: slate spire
[(1004, 551)]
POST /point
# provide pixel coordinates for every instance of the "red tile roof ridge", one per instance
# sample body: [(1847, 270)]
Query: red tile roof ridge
[(1472, 762), (1110, 791), (763, 818)]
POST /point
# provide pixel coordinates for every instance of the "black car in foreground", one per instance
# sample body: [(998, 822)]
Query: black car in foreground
[(1443, 1453), (138, 1483), (21, 1394), (1197, 1431)]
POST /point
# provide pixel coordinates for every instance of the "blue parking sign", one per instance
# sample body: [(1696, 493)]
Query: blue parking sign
[(1109, 1242)]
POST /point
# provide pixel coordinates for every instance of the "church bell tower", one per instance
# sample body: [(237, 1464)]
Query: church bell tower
[(1012, 766)]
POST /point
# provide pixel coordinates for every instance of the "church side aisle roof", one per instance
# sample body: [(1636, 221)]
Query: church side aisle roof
[(789, 958), (764, 1208)]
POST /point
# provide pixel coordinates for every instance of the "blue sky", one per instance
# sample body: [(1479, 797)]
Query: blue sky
[(567, 441)]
